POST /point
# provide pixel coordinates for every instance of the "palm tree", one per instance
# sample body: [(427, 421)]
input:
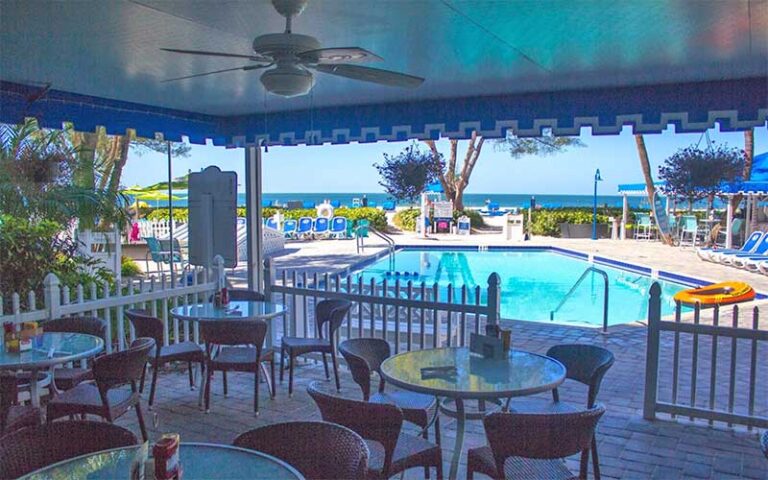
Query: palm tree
[(650, 189)]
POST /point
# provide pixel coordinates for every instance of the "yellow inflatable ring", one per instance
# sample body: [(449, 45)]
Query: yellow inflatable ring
[(724, 293)]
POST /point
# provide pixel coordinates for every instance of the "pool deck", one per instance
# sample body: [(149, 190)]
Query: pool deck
[(630, 447)]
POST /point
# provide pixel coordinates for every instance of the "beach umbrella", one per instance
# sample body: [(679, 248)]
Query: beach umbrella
[(178, 183), (155, 195)]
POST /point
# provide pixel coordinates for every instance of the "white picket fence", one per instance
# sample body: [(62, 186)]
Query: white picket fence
[(156, 294)]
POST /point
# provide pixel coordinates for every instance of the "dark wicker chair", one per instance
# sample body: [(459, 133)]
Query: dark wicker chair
[(148, 326), (104, 398), (12, 415), (330, 312), (764, 443), (32, 448), (239, 359), (66, 378), (586, 364), (380, 425), (242, 294), (318, 450), (365, 356), (531, 445)]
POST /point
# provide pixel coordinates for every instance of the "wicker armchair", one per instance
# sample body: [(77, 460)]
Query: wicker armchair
[(240, 359), (148, 326), (529, 445), (331, 312), (104, 398), (764, 443), (12, 415), (365, 356), (241, 294), (67, 378), (318, 450), (380, 425), (586, 364), (32, 448)]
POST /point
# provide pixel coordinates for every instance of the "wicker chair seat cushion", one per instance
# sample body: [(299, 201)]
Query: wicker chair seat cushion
[(541, 405), (68, 378), (20, 416), (414, 405), (481, 460), (183, 351), (410, 451), (297, 345), (85, 398), (239, 358)]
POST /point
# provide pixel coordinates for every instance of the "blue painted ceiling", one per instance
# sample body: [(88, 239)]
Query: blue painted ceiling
[(467, 50)]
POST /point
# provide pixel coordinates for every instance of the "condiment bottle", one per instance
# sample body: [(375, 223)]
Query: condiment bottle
[(166, 455)]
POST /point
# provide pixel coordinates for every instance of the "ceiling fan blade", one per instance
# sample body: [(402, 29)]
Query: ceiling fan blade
[(338, 55), (255, 58), (373, 75), (245, 68)]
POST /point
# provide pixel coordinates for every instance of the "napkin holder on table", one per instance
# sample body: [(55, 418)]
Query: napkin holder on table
[(487, 346)]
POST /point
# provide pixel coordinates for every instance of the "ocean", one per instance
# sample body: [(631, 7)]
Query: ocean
[(475, 200)]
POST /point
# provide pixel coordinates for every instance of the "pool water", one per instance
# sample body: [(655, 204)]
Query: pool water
[(533, 283)]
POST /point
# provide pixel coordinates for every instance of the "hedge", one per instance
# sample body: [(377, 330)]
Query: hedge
[(377, 217)]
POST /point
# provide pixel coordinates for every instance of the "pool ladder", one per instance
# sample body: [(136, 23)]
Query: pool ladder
[(390, 244), (576, 285)]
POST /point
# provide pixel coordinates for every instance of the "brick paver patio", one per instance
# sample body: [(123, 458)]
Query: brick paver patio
[(629, 446)]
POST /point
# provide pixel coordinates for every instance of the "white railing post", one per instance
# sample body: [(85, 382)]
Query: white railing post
[(51, 288), (652, 353), (494, 298)]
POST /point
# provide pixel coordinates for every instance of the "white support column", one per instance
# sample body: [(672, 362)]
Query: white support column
[(253, 197), (728, 224), (624, 216)]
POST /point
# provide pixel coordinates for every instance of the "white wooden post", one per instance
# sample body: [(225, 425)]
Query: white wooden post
[(51, 286), (624, 216), (729, 224)]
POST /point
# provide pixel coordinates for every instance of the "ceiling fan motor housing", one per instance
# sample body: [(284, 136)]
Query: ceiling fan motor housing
[(288, 80)]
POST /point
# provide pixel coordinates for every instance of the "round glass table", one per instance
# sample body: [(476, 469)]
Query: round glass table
[(198, 461), (49, 350), (458, 375)]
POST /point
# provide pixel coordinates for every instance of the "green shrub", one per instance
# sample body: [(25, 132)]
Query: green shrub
[(406, 219), (475, 219), (547, 222), (128, 267)]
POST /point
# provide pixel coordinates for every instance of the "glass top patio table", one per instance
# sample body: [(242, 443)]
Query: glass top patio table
[(245, 310), (474, 377), (198, 461), (50, 349)]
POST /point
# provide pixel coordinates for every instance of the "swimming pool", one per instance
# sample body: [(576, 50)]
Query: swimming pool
[(534, 282)]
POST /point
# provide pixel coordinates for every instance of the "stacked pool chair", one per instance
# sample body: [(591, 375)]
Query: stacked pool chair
[(304, 229), (338, 227), (320, 227), (736, 259), (717, 255), (289, 228)]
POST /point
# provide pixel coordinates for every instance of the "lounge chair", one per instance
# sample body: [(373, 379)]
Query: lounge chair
[(335, 203), (271, 222), (304, 228), (289, 228), (388, 205), (742, 260), (339, 227), (320, 227), (717, 254), (161, 254), (361, 228), (308, 204)]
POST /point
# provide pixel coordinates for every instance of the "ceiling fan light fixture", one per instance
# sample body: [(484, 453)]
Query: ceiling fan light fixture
[(288, 81)]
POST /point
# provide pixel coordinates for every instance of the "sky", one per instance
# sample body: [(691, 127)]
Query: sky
[(349, 168)]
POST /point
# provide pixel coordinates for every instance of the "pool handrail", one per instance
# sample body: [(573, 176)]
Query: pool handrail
[(589, 269)]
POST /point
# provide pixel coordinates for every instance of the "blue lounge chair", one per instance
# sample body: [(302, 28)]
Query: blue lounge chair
[(339, 227), (372, 204), (304, 228), (335, 203), (741, 259), (308, 204), (266, 203), (289, 228), (320, 227), (272, 223), (388, 205), (718, 254)]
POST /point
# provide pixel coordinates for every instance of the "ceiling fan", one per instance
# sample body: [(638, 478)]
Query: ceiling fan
[(294, 56)]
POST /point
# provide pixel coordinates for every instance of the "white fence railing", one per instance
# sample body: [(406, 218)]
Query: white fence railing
[(409, 314), (711, 366), (109, 303)]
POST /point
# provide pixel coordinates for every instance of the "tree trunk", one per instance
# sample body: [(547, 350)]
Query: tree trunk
[(124, 145), (645, 165), (749, 154)]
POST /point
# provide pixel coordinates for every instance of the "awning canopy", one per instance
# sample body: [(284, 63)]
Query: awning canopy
[(636, 188), (490, 67)]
